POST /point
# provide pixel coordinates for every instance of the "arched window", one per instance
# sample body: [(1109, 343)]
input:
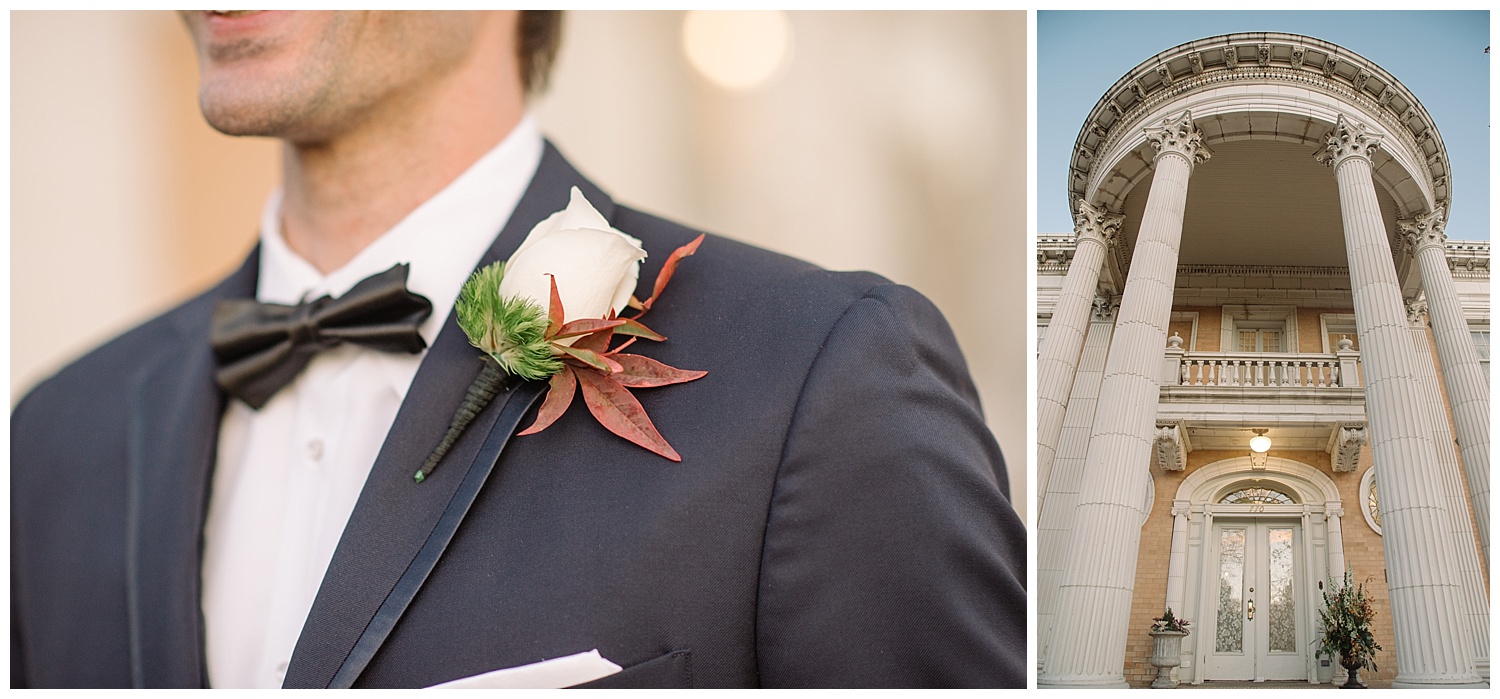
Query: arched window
[(1257, 494)]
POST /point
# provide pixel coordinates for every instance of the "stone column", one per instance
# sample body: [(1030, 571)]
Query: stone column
[(1468, 389), (1177, 559), (1055, 506), (1336, 563), (1055, 368), (1432, 648), (1476, 608), (1092, 617)]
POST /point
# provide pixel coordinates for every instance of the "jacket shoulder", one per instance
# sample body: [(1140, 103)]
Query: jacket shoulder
[(98, 379), (725, 262)]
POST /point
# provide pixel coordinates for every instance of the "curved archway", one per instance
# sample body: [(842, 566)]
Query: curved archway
[(1224, 538)]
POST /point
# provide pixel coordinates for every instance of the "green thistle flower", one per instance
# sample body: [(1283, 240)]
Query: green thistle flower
[(512, 331)]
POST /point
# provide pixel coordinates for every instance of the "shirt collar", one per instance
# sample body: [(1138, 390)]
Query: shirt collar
[(443, 239)]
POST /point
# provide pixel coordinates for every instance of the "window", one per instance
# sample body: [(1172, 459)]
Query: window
[(1265, 496), (1259, 329), (1337, 326)]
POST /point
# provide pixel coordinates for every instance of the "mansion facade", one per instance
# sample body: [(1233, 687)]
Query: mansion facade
[(1260, 251)]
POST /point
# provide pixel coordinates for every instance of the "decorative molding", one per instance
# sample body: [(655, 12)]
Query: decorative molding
[(1345, 443), (1179, 136), (1397, 111), (1416, 313), (1096, 224), (1261, 271), (1105, 308), (1348, 139), (1425, 230), (1231, 57), (1165, 73), (1362, 79), (1263, 55), (1330, 66), (1171, 446), (1468, 259)]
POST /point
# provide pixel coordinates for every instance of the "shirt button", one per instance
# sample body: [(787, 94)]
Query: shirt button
[(315, 449)]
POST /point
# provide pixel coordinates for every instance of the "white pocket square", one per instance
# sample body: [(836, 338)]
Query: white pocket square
[(548, 674)]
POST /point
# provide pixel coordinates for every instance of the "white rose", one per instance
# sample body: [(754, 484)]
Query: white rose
[(596, 266)]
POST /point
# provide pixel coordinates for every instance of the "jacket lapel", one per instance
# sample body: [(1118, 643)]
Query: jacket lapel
[(399, 528), (174, 427)]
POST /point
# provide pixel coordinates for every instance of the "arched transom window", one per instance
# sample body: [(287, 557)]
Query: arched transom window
[(1257, 495)]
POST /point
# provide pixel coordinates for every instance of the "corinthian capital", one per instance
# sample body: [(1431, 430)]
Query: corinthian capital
[(1096, 223), (1348, 139), (1181, 137), (1416, 313), (1425, 230)]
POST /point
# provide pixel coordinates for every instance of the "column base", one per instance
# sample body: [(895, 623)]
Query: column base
[(1460, 682), (1083, 681), (1482, 666)]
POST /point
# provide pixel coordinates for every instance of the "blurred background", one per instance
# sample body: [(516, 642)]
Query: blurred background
[(887, 141)]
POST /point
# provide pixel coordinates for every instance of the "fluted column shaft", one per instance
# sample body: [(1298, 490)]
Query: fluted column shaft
[(1476, 608), (1058, 363), (1431, 646), (1055, 519), (1093, 606), (1468, 389), (1177, 560), (1336, 545)]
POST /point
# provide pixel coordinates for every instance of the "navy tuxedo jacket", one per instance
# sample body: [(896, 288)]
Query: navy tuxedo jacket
[(840, 516)]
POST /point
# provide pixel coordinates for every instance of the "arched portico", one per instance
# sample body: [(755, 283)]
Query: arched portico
[(1382, 199)]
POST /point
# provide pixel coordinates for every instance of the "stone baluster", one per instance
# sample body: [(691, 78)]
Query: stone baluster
[(1092, 616), (1432, 649)]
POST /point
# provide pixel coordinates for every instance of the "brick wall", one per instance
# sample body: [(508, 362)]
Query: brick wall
[(1362, 552)]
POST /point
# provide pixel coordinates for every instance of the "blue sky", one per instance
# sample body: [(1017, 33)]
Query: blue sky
[(1439, 56)]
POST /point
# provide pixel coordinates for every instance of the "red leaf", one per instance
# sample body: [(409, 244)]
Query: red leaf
[(645, 372), (591, 358), (635, 303), (554, 311), (597, 341), (668, 268), (585, 326), (559, 397), (631, 327), (620, 413)]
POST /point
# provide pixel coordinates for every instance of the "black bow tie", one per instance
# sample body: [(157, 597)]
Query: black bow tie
[(261, 347)]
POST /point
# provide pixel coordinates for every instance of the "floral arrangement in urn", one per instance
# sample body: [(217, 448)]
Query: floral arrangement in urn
[(1167, 631), (1346, 618), (1168, 622)]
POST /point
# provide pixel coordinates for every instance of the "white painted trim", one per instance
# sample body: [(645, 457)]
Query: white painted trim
[(1364, 500)]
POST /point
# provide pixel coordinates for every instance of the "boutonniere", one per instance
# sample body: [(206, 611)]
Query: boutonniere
[(551, 312)]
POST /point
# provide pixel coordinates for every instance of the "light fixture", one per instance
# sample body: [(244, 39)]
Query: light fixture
[(1259, 445), (737, 50)]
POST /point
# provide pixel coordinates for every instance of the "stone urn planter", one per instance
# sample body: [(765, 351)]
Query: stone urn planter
[(1166, 653)]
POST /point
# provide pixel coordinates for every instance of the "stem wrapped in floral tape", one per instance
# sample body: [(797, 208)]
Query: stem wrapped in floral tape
[(583, 270)]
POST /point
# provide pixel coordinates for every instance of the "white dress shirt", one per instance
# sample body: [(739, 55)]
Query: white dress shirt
[(289, 474)]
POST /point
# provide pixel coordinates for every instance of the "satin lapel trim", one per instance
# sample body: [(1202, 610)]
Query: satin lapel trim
[(516, 403), (396, 521), (174, 428)]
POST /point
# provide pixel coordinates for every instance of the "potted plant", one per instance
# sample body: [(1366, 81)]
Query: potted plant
[(1167, 631), (1346, 618)]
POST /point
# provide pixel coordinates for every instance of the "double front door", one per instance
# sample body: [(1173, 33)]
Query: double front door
[(1252, 581)]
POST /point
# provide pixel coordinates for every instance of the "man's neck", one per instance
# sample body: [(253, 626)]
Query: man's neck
[(344, 193)]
